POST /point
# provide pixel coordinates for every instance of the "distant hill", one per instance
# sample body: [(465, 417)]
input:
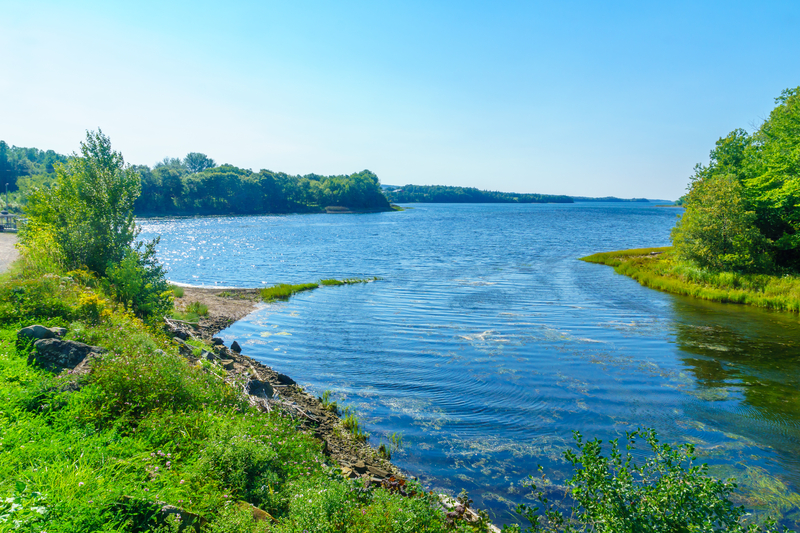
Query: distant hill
[(465, 195)]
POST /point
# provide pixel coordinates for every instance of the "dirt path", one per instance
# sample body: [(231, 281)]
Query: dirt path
[(8, 254)]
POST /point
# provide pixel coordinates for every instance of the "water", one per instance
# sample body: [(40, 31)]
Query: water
[(487, 342)]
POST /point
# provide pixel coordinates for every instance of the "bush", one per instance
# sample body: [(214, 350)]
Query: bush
[(616, 495)]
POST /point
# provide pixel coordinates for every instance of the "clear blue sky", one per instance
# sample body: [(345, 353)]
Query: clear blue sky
[(568, 97)]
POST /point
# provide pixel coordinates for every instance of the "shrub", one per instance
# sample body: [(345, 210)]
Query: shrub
[(616, 495)]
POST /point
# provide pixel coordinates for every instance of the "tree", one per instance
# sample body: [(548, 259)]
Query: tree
[(197, 162), (718, 231), (90, 207), (89, 213)]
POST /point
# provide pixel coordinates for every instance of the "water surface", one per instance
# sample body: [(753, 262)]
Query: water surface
[(487, 342)]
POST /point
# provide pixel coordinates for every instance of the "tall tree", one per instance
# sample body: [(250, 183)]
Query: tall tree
[(197, 162)]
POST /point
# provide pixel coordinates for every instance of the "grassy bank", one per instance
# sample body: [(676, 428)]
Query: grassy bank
[(145, 430), (658, 268)]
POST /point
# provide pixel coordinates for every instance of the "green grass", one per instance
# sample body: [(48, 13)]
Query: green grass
[(284, 291), (177, 291), (145, 428), (664, 272)]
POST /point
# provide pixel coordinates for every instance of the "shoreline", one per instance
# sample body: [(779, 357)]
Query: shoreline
[(356, 458), (658, 269)]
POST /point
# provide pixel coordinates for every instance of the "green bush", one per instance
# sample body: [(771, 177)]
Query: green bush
[(615, 494)]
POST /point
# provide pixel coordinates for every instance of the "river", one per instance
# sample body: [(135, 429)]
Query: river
[(486, 342)]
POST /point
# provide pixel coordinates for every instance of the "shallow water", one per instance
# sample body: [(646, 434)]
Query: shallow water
[(487, 342)]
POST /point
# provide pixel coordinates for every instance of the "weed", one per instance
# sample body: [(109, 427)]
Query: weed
[(177, 291), (197, 308)]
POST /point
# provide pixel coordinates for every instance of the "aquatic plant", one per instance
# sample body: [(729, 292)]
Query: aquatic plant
[(351, 424), (347, 281)]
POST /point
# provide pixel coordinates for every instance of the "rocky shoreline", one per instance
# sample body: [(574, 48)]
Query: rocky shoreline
[(268, 389)]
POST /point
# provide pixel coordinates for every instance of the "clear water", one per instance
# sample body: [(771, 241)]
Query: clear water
[(487, 342)]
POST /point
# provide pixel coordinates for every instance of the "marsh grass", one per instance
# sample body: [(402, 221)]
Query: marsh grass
[(177, 291), (284, 291), (662, 271)]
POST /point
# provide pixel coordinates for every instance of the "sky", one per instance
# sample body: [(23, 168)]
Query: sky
[(569, 97)]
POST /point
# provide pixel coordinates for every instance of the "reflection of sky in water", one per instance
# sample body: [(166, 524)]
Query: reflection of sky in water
[(487, 343)]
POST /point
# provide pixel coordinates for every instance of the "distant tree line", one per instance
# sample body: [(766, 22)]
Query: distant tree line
[(743, 208), (467, 195), (197, 185)]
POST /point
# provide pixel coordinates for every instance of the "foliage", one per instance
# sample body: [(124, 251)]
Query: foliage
[(177, 291), (197, 162), (197, 308), (448, 194), (86, 217), (668, 492), (751, 186), (172, 187), (717, 231), (90, 207)]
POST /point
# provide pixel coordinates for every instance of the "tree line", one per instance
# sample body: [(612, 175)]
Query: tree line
[(743, 208), (448, 194), (196, 185)]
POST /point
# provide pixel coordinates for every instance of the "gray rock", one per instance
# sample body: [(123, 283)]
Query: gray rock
[(37, 332), (216, 341), (208, 356), (235, 347), (60, 332), (256, 387), (56, 355)]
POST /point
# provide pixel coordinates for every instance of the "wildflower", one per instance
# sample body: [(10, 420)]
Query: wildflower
[(80, 483)]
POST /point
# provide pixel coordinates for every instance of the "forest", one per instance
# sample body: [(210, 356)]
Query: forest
[(196, 185), (468, 195)]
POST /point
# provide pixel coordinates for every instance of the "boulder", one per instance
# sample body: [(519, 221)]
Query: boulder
[(216, 341), (37, 332), (235, 347), (56, 354), (208, 356), (256, 387)]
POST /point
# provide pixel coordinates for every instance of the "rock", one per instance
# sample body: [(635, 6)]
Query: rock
[(259, 515), (227, 364), (55, 354), (184, 349), (37, 332), (378, 472), (283, 379), (60, 332), (208, 356), (360, 467), (216, 341), (260, 388), (235, 347)]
